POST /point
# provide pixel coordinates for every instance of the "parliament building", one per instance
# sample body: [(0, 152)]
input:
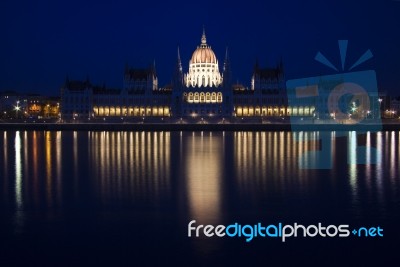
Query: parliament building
[(204, 93)]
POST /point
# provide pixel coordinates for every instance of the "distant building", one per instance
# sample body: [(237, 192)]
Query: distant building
[(41, 107), (394, 107), (140, 97), (76, 99), (9, 100), (28, 106), (266, 96)]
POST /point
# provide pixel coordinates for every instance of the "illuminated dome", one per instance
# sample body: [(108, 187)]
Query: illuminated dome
[(203, 53), (203, 67)]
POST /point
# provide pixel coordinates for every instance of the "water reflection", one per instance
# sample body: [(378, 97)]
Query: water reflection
[(47, 171), (203, 171), (5, 165), (19, 212), (130, 166), (352, 160), (18, 171), (265, 160)]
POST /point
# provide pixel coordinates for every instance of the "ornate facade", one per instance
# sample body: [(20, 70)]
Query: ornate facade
[(203, 92)]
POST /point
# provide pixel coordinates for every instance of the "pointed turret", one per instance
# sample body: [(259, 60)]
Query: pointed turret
[(204, 39), (227, 75), (153, 71), (178, 75), (179, 62)]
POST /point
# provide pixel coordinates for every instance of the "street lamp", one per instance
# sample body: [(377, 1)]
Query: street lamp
[(354, 107), (17, 108)]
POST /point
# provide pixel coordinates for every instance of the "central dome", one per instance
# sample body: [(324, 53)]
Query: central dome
[(203, 67), (203, 53)]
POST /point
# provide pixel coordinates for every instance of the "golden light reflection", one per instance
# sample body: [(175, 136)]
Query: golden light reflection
[(392, 168), (203, 173), (368, 159), (380, 167), (35, 157), (264, 159), (18, 171), (398, 144), (5, 159), (133, 165), (352, 159), (59, 167), (379, 149), (19, 201), (26, 155), (48, 164)]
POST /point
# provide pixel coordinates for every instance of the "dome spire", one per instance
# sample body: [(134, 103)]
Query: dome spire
[(179, 63), (203, 38)]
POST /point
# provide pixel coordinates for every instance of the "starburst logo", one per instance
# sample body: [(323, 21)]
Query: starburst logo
[(345, 99), (343, 52)]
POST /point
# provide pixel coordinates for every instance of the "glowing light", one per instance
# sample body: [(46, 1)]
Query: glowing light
[(18, 170), (204, 177)]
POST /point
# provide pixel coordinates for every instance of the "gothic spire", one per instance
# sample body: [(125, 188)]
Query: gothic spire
[(203, 38), (153, 68), (227, 69), (178, 75), (179, 62), (226, 56)]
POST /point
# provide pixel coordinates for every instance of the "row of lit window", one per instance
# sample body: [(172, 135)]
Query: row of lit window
[(131, 111), (203, 65), (202, 97), (274, 111), (208, 70)]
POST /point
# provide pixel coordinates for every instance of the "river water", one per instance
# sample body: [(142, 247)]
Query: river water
[(126, 198)]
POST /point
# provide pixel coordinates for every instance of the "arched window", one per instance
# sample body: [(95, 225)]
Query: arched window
[(202, 97), (213, 97), (219, 97)]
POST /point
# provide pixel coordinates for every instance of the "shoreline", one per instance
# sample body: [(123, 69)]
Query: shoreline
[(195, 127)]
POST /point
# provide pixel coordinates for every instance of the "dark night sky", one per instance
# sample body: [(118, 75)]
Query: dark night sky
[(43, 41)]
